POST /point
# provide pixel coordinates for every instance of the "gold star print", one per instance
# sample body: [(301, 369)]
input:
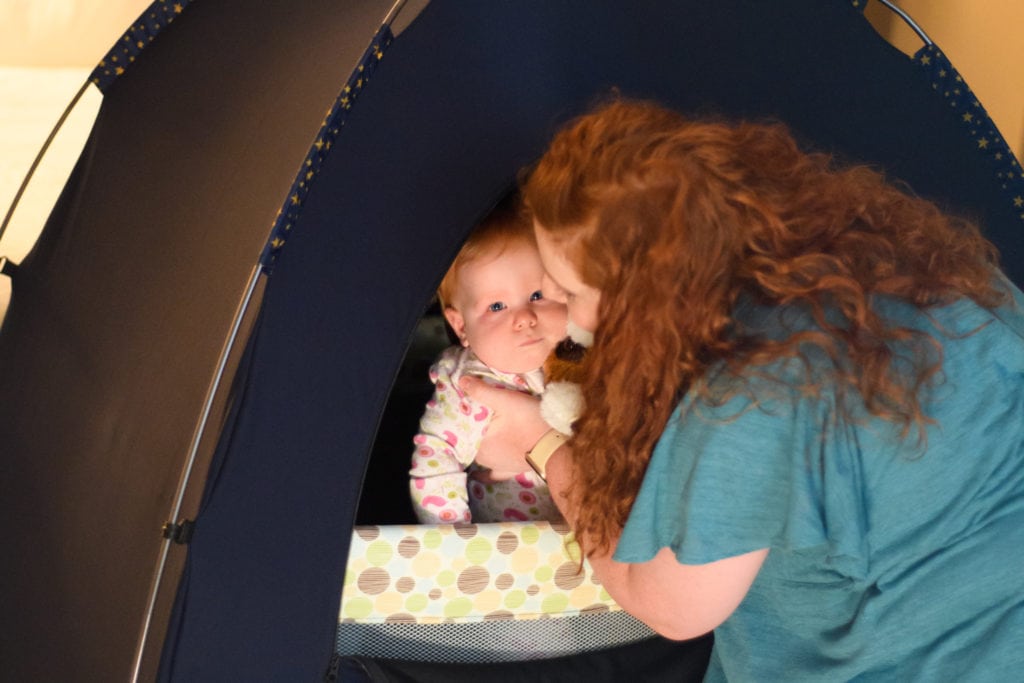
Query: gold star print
[(968, 117), (295, 199), (119, 70), (982, 143), (926, 60), (319, 144), (942, 73), (309, 175), (999, 156), (177, 8), (140, 45), (277, 243)]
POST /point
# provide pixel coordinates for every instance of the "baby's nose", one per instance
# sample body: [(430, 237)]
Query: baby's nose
[(525, 318)]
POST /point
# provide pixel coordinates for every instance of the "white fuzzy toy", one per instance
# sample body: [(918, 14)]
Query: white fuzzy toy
[(562, 401), (561, 405)]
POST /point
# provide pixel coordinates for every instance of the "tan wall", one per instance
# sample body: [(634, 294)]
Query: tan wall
[(62, 33), (983, 40)]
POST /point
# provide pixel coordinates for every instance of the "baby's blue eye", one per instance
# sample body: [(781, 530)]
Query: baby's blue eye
[(537, 296), (496, 306)]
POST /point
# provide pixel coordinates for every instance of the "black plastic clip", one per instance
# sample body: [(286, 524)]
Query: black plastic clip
[(7, 267), (179, 532)]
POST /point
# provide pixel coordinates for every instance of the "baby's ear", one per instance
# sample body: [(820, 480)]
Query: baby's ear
[(458, 325)]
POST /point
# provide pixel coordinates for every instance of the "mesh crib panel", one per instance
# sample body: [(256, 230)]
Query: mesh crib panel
[(501, 640)]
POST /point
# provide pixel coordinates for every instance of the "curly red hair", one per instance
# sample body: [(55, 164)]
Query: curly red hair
[(673, 220)]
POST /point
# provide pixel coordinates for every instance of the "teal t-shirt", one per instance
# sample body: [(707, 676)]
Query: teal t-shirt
[(887, 561)]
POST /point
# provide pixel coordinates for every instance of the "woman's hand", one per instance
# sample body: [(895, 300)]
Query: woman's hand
[(515, 427)]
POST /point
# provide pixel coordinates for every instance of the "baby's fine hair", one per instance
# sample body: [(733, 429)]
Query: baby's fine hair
[(507, 224)]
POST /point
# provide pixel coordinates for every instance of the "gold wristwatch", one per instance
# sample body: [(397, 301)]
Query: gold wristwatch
[(538, 456)]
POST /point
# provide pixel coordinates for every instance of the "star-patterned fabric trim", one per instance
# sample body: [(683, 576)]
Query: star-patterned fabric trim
[(333, 122), (948, 83), (141, 33)]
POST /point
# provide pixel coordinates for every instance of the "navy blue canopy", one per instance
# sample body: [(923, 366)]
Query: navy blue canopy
[(456, 106)]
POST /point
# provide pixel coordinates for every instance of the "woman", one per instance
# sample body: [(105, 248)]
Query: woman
[(804, 403)]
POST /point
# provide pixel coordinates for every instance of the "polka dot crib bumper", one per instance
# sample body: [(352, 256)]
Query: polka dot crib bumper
[(476, 592)]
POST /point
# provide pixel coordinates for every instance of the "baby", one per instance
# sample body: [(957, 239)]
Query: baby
[(491, 296)]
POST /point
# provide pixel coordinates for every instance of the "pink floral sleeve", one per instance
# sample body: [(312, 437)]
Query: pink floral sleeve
[(451, 430)]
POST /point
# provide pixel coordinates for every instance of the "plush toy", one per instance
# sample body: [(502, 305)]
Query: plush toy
[(562, 401)]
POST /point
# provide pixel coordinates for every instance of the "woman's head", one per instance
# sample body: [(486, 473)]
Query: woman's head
[(655, 211), (576, 185), (563, 282), (670, 220)]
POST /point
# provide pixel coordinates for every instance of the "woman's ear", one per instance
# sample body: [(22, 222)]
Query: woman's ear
[(458, 325)]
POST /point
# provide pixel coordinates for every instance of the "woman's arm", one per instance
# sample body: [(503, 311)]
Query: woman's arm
[(679, 601)]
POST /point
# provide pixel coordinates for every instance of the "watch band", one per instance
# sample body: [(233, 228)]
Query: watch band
[(538, 456)]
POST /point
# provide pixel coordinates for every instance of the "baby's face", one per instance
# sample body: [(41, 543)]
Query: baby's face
[(499, 311)]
